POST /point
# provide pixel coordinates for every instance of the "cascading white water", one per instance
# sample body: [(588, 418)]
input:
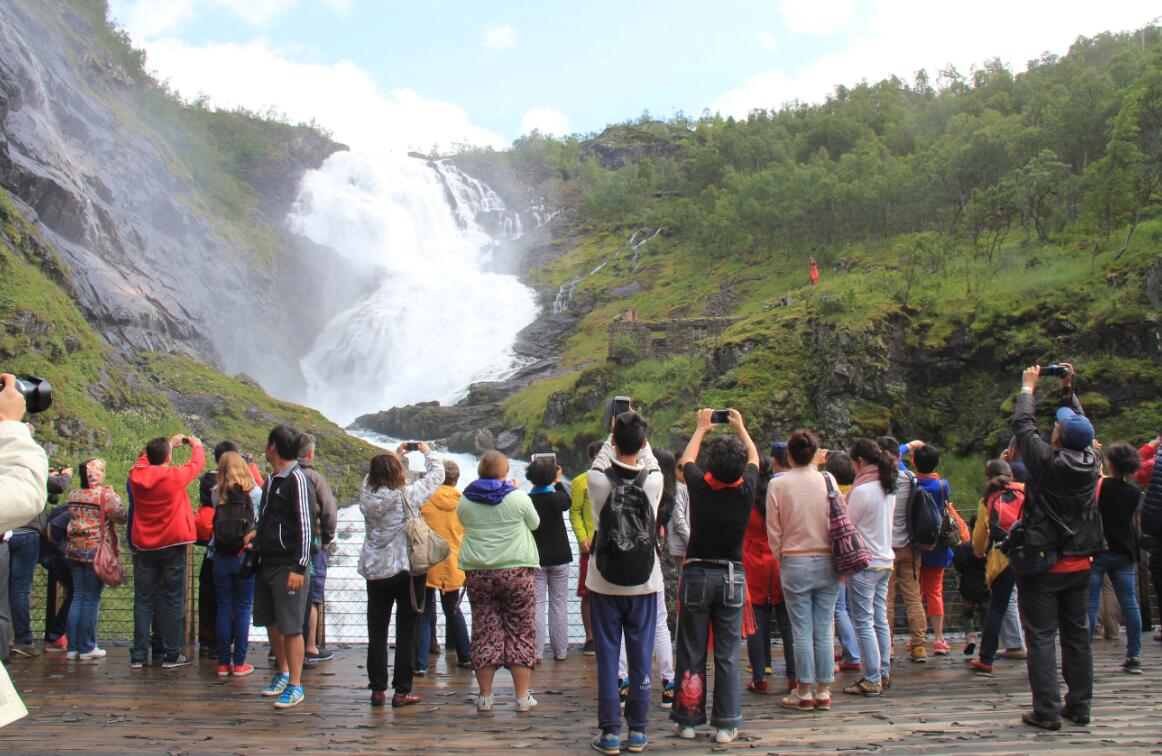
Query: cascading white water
[(438, 320)]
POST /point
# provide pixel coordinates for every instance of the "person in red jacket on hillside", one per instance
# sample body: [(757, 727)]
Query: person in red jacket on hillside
[(163, 528)]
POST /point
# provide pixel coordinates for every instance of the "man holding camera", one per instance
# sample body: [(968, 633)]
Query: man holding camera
[(163, 529), (1060, 528)]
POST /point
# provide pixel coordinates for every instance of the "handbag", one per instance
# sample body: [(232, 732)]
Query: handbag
[(107, 557), (848, 550)]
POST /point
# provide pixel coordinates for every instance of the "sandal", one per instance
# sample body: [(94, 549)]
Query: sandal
[(798, 703)]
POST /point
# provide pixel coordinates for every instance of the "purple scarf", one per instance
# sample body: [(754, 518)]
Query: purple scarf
[(488, 491)]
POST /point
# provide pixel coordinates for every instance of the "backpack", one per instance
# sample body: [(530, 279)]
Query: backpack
[(849, 552), (233, 519), (1004, 509), (925, 517), (625, 542)]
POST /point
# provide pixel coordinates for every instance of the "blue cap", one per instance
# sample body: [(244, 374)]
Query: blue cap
[(779, 452), (1076, 430)]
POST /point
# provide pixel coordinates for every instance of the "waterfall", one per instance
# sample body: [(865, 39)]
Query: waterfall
[(438, 319), (565, 293)]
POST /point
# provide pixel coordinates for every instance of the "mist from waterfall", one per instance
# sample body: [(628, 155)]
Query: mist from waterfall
[(438, 319)]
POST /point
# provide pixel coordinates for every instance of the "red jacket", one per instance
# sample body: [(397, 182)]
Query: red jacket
[(162, 513), (762, 571), (1146, 455)]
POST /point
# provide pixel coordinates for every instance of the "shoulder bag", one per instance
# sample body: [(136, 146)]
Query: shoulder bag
[(848, 550), (107, 557), (425, 547)]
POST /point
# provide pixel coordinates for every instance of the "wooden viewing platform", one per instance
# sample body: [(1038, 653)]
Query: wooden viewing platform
[(939, 707)]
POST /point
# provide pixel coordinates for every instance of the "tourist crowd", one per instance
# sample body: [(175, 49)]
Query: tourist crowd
[(807, 542)]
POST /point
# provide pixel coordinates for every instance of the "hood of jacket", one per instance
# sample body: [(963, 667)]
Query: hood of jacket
[(488, 491), (1066, 489)]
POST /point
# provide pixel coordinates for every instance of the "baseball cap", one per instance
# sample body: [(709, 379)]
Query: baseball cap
[(779, 452), (1076, 430)]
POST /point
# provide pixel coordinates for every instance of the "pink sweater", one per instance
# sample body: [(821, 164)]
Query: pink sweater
[(797, 514)]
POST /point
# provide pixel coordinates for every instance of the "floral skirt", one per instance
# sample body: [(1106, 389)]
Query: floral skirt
[(504, 613)]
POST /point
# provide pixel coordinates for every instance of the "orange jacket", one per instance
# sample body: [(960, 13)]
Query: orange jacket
[(440, 514), (162, 514)]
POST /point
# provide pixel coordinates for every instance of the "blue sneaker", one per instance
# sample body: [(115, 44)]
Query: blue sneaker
[(637, 742), (292, 696), (277, 685), (608, 743)]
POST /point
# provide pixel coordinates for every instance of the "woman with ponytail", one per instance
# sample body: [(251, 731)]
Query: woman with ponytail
[(871, 506)]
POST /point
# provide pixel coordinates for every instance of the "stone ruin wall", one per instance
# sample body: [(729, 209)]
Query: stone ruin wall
[(631, 340)]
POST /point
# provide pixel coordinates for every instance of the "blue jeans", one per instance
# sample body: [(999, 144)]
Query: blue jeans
[(455, 627), (159, 580), (87, 589), (811, 588), (610, 617), (707, 598), (23, 555), (235, 599), (868, 594), (1123, 573), (1000, 596), (848, 640)]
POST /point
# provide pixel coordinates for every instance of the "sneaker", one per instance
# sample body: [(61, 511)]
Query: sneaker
[(420, 672), (1077, 717), (26, 649), (484, 703), (1031, 719), (941, 648), (668, 689), (224, 670), (1013, 653), (919, 654), (378, 698), (725, 734), (57, 646), (528, 703), (137, 664), (1132, 665), (982, 669), (241, 670), (173, 662), (622, 690), (864, 687), (637, 742), (757, 686), (969, 649), (823, 702), (587, 648), (798, 702), (850, 666), (292, 696), (404, 699), (686, 732), (607, 743), (96, 653), (277, 685), (72, 655), (321, 655)]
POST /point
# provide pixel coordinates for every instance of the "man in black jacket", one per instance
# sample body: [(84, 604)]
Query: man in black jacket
[(1060, 519)]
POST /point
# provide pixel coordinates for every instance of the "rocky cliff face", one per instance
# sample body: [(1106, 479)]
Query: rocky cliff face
[(132, 189)]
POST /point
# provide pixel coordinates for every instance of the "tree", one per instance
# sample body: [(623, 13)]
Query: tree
[(1036, 184)]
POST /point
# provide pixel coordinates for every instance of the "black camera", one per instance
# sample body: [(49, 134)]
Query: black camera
[(411, 446), (1057, 371), (37, 393), (720, 417)]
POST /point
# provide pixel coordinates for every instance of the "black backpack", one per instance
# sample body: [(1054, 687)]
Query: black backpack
[(626, 538), (233, 519), (925, 517)]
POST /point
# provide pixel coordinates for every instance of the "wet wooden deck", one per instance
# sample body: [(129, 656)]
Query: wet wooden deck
[(103, 707)]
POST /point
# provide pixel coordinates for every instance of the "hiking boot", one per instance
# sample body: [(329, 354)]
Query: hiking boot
[(404, 699), (919, 654), (587, 648), (1077, 717), (57, 646), (608, 743), (277, 685), (241, 670), (1132, 665), (982, 669), (725, 735), (292, 696), (1031, 719), (378, 698), (863, 687), (1013, 653), (96, 653), (686, 732), (173, 662), (757, 686), (941, 648), (26, 649), (668, 688), (528, 703)]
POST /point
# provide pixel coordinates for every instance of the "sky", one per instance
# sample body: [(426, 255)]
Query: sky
[(389, 75)]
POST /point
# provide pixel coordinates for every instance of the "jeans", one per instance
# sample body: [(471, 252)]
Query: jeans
[(87, 589), (663, 646), (848, 642), (56, 621), (455, 627), (553, 596), (811, 588), (708, 598), (1123, 572), (381, 595), (159, 591), (1000, 594), (233, 602), (1011, 634), (5, 611), (636, 618), (1053, 602), (868, 598), (758, 644), (23, 555)]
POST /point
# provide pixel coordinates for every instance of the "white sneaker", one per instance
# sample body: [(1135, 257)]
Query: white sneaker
[(685, 732), (484, 703), (526, 704), (71, 655), (725, 734), (96, 653)]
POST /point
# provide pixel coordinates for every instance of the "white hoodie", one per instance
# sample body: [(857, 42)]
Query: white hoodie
[(23, 475)]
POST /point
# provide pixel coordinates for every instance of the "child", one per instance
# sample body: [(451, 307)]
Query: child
[(925, 458), (973, 591)]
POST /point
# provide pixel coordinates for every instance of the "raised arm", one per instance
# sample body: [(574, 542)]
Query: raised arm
[(695, 444)]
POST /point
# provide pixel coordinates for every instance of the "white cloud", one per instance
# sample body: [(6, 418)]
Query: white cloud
[(767, 41), (149, 19), (904, 36), (258, 12), (815, 16), (339, 7), (341, 96), (500, 37), (548, 121)]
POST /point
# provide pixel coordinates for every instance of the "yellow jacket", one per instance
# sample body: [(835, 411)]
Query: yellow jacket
[(580, 513), (997, 562), (440, 514)]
